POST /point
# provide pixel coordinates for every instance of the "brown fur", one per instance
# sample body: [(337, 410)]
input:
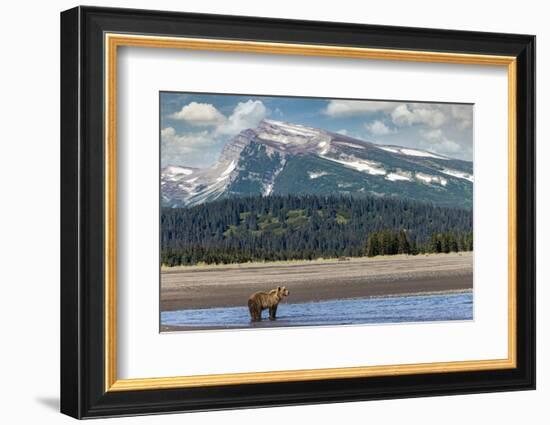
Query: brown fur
[(266, 300)]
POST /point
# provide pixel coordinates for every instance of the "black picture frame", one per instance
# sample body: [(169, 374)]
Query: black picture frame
[(83, 392)]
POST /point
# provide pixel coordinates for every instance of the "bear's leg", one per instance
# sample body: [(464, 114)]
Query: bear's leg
[(254, 316), (273, 312)]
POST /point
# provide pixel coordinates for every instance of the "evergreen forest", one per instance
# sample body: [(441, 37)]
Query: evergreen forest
[(298, 227)]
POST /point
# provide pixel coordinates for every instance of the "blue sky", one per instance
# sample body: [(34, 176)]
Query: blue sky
[(195, 127)]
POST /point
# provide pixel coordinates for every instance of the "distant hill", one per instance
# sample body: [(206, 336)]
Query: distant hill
[(278, 158)]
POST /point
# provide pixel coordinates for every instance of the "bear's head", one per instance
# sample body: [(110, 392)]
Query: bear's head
[(282, 291)]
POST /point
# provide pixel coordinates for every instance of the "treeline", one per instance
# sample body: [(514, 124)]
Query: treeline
[(390, 242), (278, 228)]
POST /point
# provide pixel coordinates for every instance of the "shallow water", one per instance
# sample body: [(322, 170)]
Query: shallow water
[(414, 308)]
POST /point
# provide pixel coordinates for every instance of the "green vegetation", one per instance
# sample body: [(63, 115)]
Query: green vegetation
[(279, 228), (391, 242)]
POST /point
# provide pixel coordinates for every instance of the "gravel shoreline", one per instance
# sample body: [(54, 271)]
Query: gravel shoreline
[(231, 285)]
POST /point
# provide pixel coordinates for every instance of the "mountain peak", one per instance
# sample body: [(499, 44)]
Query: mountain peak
[(277, 157), (286, 136)]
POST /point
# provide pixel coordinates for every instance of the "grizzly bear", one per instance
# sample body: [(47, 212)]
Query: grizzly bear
[(261, 300)]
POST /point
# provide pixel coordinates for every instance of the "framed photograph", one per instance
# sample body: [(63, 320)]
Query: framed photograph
[(261, 212)]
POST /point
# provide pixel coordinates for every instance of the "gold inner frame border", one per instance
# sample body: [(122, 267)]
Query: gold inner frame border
[(111, 43)]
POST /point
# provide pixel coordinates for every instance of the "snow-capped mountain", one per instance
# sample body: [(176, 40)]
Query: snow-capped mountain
[(283, 158)]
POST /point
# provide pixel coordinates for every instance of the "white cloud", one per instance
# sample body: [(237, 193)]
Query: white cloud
[(463, 115), (199, 114), (167, 133), (447, 146), (406, 114), (178, 149), (436, 141), (340, 108), (378, 128), (343, 132), (433, 135), (245, 115), (402, 114), (170, 139), (279, 112), (203, 147)]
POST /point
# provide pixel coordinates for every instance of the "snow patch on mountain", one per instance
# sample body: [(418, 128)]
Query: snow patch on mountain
[(175, 173), (317, 174), (399, 176), (175, 170), (458, 174), (411, 152), (427, 178), (270, 184), (350, 145), (370, 167), (294, 129), (229, 169), (289, 134), (414, 152), (325, 147)]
